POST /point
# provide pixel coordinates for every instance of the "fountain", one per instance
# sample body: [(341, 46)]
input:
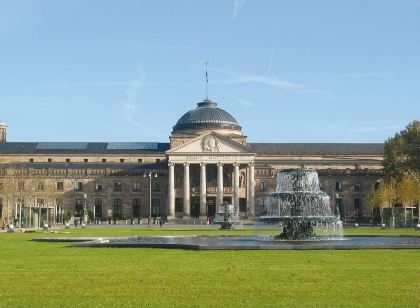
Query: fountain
[(227, 218), (300, 207)]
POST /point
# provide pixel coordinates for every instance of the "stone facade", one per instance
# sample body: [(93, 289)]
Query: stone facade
[(208, 161)]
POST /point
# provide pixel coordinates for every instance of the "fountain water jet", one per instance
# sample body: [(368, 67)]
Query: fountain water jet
[(300, 207)]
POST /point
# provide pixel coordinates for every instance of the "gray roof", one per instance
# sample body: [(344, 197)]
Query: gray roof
[(160, 148), (207, 115), (83, 147), (318, 148)]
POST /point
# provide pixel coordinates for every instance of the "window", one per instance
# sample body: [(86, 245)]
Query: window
[(357, 187), (242, 205), (1, 207), (136, 186), (376, 185), (179, 204), (20, 201), (67, 160), (140, 160), (117, 208), (31, 160), (78, 207), (40, 202), (98, 207), (117, 186), (104, 160), (49, 160), (21, 185), (78, 186), (155, 186), (157, 160), (155, 207), (338, 186), (86, 160), (98, 186), (263, 204), (60, 186), (121, 160), (136, 207), (263, 185), (1, 186)]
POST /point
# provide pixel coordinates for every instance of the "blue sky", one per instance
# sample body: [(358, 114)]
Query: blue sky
[(288, 71)]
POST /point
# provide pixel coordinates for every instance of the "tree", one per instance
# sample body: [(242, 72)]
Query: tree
[(402, 152)]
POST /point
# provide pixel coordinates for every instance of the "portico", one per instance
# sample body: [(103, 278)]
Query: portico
[(212, 169)]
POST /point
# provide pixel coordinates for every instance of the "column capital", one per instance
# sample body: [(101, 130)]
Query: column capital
[(220, 164), (236, 164), (171, 164), (251, 164), (186, 164), (203, 164)]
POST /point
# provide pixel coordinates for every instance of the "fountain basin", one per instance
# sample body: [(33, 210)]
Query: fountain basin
[(246, 242)]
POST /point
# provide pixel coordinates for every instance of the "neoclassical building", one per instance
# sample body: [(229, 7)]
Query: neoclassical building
[(208, 161)]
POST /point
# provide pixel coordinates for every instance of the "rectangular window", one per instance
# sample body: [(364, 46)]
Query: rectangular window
[(358, 208), (121, 160), (67, 160), (98, 207), (98, 186), (78, 207), (242, 205), (338, 186), (31, 160), (104, 160), (136, 207), (20, 201), (157, 160), (155, 207), (40, 202), (155, 186), (60, 186), (357, 187), (136, 186), (263, 204), (179, 204), (21, 185), (78, 186), (117, 186), (140, 160), (1, 207), (263, 185), (86, 160), (118, 208), (49, 160)]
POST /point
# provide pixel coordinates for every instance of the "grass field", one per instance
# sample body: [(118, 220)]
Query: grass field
[(53, 274)]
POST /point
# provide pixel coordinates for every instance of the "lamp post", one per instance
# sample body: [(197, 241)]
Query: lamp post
[(85, 213), (150, 175)]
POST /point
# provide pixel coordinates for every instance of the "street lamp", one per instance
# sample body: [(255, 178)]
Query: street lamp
[(85, 213), (150, 175)]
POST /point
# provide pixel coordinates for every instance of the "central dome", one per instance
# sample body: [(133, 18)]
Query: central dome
[(207, 116)]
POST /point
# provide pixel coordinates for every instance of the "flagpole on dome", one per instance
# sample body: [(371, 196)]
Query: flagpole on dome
[(207, 83)]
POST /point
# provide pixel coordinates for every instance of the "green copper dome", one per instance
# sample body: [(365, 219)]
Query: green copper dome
[(207, 116)]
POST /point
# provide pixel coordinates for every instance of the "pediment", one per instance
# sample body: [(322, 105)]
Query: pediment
[(211, 143)]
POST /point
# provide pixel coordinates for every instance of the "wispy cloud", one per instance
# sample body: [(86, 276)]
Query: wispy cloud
[(245, 103), (237, 6), (130, 105), (84, 84)]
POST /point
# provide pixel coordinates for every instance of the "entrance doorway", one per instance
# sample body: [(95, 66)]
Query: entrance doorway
[(211, 206), (195, 206)]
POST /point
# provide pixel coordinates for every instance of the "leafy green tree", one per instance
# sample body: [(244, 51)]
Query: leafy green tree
[(402, 152)]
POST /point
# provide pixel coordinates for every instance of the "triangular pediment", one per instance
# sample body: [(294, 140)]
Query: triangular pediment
[(211, 143)]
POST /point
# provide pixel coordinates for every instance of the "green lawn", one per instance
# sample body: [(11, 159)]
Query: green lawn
[(53, 274)]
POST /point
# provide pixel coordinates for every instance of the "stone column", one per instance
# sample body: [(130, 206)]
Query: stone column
[(236, 186), (219, 198), (251, 189), (203, 191), (186, 209), (171, 192)]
